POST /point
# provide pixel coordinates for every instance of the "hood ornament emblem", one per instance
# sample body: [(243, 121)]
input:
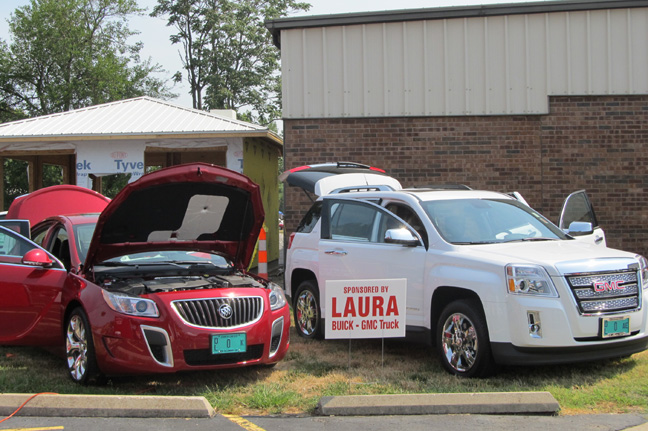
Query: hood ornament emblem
[(225, 311)]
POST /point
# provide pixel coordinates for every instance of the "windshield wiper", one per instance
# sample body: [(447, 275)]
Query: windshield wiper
[(475, 242), (537, 238)]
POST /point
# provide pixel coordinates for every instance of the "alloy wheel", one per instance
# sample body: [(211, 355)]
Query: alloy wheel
[(460, 342), (76, 347), (307, 313)]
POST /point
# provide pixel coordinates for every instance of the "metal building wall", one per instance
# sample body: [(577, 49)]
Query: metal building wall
[(464, 66)]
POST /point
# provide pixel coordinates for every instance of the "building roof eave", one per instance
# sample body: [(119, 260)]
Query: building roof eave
[(276, 25)]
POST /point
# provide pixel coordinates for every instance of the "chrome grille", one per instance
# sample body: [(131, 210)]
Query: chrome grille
[(605, 293), (212, 312), (607, 305)]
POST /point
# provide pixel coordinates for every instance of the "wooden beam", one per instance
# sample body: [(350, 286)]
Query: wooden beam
[(184, 150), (24, 155), (31, 174), (70, 170)]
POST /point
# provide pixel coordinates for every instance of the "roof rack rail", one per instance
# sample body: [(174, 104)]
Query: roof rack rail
[(368, 188), (443, 187)]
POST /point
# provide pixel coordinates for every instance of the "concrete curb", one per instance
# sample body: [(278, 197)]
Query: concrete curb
[(54, 405), (535, 403)]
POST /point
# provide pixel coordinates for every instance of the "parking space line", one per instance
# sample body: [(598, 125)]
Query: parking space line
[(34, 429), (243, 423)]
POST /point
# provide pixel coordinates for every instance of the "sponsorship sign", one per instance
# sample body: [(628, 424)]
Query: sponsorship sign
[(365, 308)]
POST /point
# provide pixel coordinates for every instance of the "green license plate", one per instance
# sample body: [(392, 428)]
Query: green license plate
[(228, 343), (616, 326)]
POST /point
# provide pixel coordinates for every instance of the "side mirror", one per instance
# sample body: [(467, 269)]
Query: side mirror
[(401, 236), (577, 228), (37, 257)]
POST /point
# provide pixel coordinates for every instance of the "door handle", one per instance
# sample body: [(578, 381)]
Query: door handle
[(336, 252), (598, 240)]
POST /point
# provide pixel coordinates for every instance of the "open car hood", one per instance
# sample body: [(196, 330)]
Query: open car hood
[(187, 207), (56, 200), (326, 178)]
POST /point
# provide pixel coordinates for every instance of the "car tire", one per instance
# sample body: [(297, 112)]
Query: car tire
[(307, 311), (79, 348), (462, 340)]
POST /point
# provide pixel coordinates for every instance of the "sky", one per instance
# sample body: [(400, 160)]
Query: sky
[(155, 34)]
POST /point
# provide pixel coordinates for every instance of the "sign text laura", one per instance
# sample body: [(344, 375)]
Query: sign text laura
[(365, 308)]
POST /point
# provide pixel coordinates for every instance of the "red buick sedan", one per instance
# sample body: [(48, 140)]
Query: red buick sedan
[(155, 283)]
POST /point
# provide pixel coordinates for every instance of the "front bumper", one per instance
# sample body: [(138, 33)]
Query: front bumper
[(131, 345), (561, 333), (508, 354)]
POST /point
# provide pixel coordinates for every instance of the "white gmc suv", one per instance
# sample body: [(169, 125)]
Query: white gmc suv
[(489, 280)]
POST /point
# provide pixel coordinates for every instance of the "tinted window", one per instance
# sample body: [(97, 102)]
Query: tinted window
[(578, 209), (20, 226), (12, 245), (39, 237), (83, 234), (311, 218), (408, 214), (357, 221), (60, 247), (352, 221)]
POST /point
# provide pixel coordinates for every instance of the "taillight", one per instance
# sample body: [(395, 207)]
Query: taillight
[(290, 239)]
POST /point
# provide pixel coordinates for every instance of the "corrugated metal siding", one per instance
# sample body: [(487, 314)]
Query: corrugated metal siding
[(464, 66)]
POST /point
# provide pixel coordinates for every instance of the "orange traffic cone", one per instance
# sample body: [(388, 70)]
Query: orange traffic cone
[(263, 255)]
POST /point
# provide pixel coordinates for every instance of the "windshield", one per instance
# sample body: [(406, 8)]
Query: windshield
[(179, 257), (487, 221)]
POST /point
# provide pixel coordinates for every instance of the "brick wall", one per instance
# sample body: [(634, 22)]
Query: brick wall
[(595, 143)]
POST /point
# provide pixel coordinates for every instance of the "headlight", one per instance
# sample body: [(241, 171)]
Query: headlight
[(643, 270), (529, 280), (277, 297), (131, 305)]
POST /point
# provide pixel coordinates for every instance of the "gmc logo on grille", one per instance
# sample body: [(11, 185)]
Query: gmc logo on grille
[(603, 286)]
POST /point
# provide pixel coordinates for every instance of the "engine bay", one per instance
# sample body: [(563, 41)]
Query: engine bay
[(135, 286)]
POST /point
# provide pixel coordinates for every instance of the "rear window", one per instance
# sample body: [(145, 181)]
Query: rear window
[(311, 218)]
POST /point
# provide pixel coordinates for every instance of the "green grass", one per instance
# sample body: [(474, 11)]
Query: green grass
[(313, 369)]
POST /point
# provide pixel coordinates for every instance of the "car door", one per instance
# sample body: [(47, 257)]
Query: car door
[(30, 293), (353, 247), (576, 213)]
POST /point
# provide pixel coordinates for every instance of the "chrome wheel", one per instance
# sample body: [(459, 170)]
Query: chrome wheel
[(460, 343), (463, 341), (76, 347), (307, 311), (79, 348)]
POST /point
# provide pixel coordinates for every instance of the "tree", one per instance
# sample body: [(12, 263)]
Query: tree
[(228, 54), (9, 109), (16, 180), (68, 54)]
